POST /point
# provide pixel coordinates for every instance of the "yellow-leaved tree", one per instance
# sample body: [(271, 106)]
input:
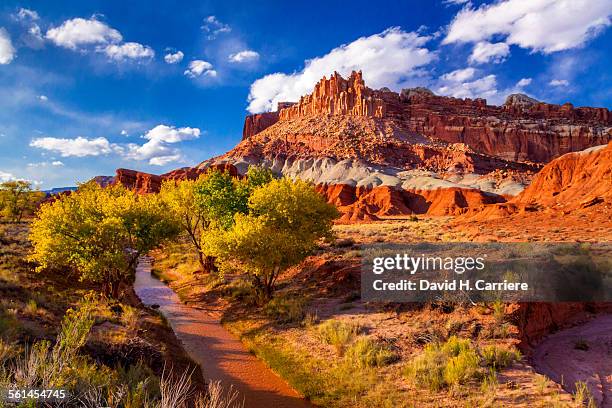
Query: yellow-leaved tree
[(17, 198), (99, 233), (210, 202), (286, 219)]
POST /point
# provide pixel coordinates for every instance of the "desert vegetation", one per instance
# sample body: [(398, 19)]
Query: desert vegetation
[(18, 199)]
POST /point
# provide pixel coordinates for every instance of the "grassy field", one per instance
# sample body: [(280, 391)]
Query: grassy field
[(341, 352)]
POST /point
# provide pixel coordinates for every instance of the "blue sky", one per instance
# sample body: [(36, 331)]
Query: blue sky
[(87, 87)]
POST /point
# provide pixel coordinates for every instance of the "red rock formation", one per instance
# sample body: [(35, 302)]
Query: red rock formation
[(144, 183), (575, 180), (138, 181), (364, 204), (254, 124), (523, 129), (337, 96), (536, 320)]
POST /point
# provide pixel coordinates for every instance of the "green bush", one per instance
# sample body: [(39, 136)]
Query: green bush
[(365, 352), (462, 367), (285, 310), (337, 333), (456, 361), (499, 357)]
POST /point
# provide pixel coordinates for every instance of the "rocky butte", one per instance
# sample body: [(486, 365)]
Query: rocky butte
[(376, 153)]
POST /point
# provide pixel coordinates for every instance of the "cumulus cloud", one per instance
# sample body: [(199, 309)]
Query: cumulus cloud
[(156, 150), (43, 98), (388, 59), (244, 56), (174, 58), (214, 27), (81, 32), (198, 68), (7, 51), (485, 51), (539, 25), (459, 75), (523, 82), (128, 50), (77, 147), (559, 82), (457, 84), (4, 176)]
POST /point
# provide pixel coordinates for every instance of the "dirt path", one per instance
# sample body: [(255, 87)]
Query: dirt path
[(221, 356), (581, 353)]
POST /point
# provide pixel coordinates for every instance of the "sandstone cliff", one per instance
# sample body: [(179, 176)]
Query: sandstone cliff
[(523, 129), (337, 96)]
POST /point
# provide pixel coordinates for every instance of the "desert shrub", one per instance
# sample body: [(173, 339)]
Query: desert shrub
[(499, 311), (583, 396), (499, 357), (462, 367), (427, 369), (337, 333), (365, 352), (456, 361), (7, 350), (285, 310), (31, 308), (129, 317)]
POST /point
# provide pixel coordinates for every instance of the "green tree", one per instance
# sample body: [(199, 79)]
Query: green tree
[(212, 199), (99, 233), (18, 199), (179, 198), (286, 219)]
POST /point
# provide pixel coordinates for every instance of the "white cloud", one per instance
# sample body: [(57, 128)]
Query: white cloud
[(214, 27), (388, 59), (35, 32), (244, 56), (78, 147), (485, 51), (43, 98), (198, 68), (124, 132), (559, 82), (459, 75), (174, 58), (55, 163), (4, 176), (27, 14), (539, 25), (156, 149), (479, 88), (7, 51), (79, 32), (128, 50), (523, 82)]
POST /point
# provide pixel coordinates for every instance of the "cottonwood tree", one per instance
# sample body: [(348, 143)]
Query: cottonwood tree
[(210, 201), (286, 219), (17, 198), (99, 233)]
